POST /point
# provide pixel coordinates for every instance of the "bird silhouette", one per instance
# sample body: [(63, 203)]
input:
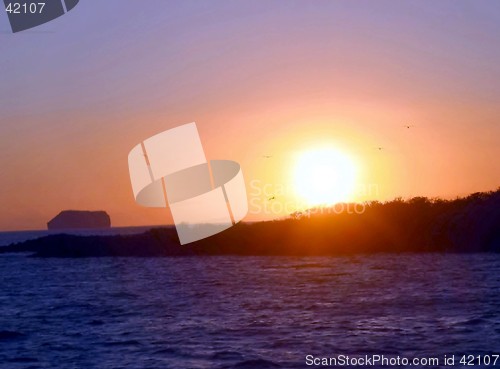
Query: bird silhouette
[(379, 148), (267, 156), (408, 126), (271, 198)]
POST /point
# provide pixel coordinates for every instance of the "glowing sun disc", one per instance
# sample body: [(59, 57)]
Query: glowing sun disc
[(324, 177)]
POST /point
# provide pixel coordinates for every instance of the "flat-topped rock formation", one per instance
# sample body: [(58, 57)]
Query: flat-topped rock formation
[(79, 219)]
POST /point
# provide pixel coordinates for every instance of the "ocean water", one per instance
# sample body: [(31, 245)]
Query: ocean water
[(245, 312)]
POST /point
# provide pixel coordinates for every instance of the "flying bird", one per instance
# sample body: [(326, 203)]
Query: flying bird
[(408, 126), (267, 156), (271, 198)]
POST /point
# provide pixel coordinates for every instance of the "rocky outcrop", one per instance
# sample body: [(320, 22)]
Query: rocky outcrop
[(77, 219)]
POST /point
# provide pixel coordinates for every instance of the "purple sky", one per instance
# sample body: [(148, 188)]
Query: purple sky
[(76, 94)]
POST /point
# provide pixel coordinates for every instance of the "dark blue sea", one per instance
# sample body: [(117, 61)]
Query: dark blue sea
[(245, 312)]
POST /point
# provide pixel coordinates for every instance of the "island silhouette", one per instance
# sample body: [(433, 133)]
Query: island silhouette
[(463, 225), (79, 219)]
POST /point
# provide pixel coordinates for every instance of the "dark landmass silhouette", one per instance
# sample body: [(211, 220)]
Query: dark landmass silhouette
[(463, 225), (80, 219)]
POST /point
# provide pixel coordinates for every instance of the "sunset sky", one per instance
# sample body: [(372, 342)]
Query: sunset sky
[(259, 78)]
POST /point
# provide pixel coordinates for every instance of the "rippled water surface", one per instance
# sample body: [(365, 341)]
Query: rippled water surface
[(243, 312)]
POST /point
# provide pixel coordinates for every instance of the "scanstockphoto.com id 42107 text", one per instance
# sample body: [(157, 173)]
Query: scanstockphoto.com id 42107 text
[(375, 360)]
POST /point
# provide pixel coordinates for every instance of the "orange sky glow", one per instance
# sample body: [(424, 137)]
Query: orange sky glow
[(252, 94)]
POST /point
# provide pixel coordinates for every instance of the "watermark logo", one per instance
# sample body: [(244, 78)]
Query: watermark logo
[(170, 170), (277, 200), (26, 14)]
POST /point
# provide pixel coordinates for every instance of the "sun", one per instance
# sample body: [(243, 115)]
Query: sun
[(324, 177)]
